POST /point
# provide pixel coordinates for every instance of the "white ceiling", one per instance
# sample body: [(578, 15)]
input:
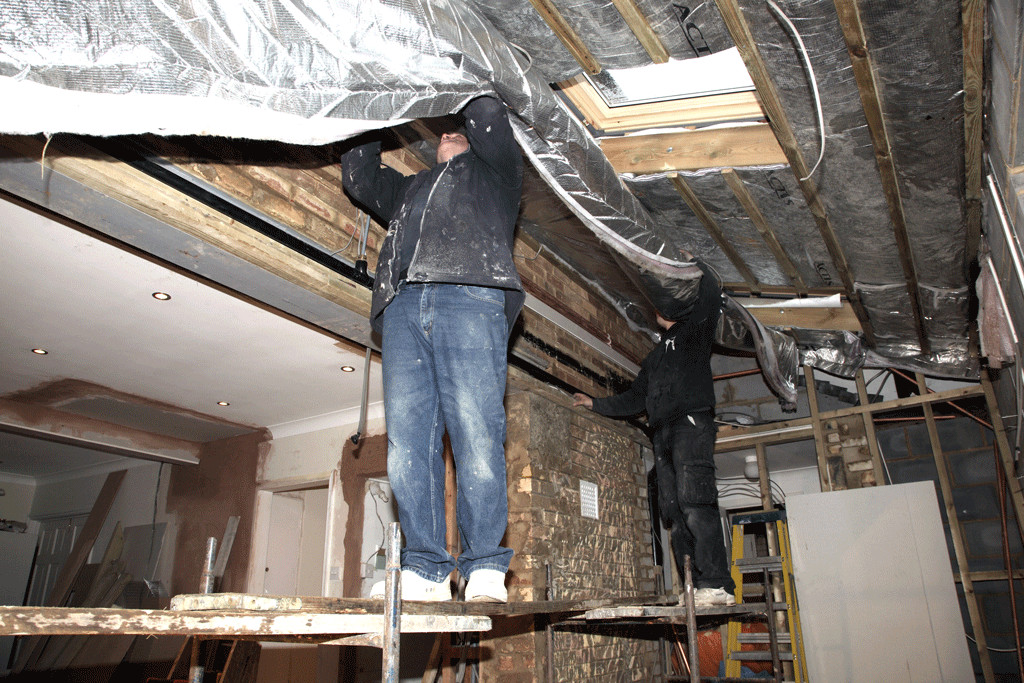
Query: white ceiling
[(89, 303)]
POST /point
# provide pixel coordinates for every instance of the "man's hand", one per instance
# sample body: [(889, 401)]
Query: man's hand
[(583, 400)]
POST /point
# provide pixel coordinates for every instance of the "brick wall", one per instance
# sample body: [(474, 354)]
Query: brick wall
[(551, 448)]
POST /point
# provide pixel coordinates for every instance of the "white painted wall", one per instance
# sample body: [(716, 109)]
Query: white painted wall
[(311, 450), (16, 501)]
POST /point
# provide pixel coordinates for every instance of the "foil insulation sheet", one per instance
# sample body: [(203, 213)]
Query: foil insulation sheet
[(916, 50), (314, 71)]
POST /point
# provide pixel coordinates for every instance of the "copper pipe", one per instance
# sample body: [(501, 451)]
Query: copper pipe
[(738, 373), (950, 403), (1001, 483), (911, 419)]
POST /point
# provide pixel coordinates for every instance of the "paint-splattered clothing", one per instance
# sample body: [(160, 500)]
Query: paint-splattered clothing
[(463, 211)]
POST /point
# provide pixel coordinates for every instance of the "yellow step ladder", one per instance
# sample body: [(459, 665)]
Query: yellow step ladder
[(784, 645)]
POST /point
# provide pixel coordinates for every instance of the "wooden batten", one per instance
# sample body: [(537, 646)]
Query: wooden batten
[(693, 150), (973, 15), (956, 533), (804, 318), (567, 35), (641, 28), (871, 99)]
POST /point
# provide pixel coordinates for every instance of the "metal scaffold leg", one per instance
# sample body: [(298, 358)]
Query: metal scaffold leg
[(392, 607)]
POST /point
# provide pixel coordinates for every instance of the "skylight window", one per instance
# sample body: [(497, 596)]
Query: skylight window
[(717, 74)]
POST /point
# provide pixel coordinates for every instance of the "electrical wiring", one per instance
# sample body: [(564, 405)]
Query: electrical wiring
[(529, 58), (814, 82), (743, 487), (347, 244), (377, 492)]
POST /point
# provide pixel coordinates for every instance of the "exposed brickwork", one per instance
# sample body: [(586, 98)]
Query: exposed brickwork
[(309, 199), (551, 448)]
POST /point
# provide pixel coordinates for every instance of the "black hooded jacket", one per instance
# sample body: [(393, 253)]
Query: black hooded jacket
[(461, 213), (675, 378)]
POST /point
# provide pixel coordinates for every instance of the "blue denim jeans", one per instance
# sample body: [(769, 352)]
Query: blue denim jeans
[(684, 460), (444, 359)]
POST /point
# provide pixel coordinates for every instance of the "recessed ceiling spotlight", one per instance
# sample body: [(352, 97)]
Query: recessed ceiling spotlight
[(347, 368), (223, 403), (162, 296), (40, 352)]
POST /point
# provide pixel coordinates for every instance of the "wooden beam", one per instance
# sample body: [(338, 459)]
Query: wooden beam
[(708, 221), (738, 438), (869, 431), (820, 447), (38, 422), (24, 621), (741, 106), (871, 100), (772, 105), (738, 289), (550, 14), (742, 438), (896, 404), (641, 28), (956, 533), (973, 17), (739, 189), (120, 181), (1005, 451), (693, 150), (806, 318)]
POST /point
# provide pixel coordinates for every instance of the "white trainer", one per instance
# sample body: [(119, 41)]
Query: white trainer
[(417, 589), (486, 585), (706, 597)]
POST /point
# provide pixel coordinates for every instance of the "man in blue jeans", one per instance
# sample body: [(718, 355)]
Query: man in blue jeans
[(445, 295), (676, 388)]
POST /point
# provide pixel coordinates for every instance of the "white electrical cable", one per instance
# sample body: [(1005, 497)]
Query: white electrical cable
[(814, 83)]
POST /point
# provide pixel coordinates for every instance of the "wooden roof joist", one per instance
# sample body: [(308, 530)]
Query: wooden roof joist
[(871, 98), (772, 105), (569, 38)]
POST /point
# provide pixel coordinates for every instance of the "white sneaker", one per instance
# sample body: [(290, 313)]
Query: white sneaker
[(706, 597), (417, 589), (486, 585)]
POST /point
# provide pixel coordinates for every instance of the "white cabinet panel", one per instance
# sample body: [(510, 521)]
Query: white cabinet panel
[(875, 587)]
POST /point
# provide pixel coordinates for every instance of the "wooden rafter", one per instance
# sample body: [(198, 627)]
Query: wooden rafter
[(973, 15), (693, 150), (740, 106), (709, 224), (572, 42), (767, 234), (641, 28), (772, 105), (871, 99), (956, 534)]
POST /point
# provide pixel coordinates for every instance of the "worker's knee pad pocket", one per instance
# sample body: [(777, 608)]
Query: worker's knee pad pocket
[(697, 484)]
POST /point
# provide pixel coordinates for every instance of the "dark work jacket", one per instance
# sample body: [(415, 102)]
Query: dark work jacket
[(675, 378), (463, 211)]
